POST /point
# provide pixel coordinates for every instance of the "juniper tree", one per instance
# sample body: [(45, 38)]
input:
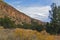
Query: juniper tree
[(54, 25)]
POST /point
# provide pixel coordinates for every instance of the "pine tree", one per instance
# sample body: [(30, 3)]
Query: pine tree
[(54, 26)]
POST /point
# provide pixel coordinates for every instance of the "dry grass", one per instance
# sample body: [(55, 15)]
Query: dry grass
[(33, 35), (23, 34)]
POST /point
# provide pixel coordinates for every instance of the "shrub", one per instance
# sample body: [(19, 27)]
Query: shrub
[(33, 26), (52, 29), (36, 26), (6, 22)]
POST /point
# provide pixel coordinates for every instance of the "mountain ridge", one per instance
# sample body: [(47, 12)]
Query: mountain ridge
[(14, 14)]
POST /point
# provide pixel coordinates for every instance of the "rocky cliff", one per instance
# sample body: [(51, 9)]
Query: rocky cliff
[(15, 15)]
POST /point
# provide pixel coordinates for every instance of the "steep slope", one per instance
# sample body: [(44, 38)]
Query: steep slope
[(15, 15)]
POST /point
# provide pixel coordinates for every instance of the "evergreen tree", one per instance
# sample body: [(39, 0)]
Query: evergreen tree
[(54, 26)]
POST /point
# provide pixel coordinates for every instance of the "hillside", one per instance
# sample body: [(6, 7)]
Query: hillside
[(15, 15)]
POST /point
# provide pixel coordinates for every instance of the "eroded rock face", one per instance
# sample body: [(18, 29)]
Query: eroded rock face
[(15, 15), (11, 12)]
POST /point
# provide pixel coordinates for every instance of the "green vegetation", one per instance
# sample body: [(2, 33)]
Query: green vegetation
[(36, 26), (33, 26), (54, 26), (6, 22)]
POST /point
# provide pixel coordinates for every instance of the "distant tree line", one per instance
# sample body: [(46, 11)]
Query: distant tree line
[(33, 26)]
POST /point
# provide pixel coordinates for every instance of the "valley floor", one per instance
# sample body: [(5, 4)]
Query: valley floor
[(25, 34)]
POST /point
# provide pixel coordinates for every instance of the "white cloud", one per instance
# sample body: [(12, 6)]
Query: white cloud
[(36, 12), (40, 13)]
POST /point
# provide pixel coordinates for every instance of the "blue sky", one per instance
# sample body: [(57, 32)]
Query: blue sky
[(29, 2), (38, 9)]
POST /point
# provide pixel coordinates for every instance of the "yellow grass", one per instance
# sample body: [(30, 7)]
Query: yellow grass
[(33, 35), (24, 34)]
